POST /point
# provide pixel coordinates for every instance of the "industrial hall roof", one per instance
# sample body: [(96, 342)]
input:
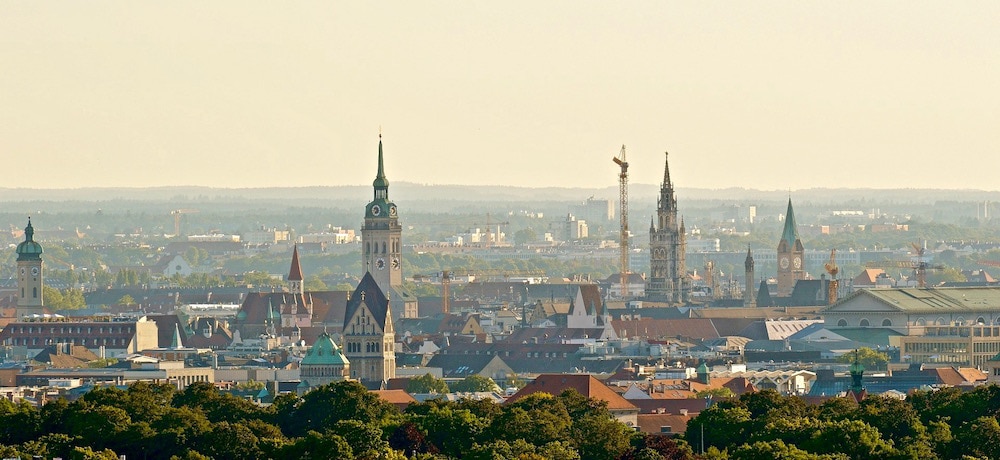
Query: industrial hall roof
[(920, 300)]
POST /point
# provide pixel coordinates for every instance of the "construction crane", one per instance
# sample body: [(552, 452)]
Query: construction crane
[(177, 213), (920, 265), (832, 269), (623, 196)]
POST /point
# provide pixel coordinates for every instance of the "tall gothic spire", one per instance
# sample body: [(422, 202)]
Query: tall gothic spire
[(381, 184), (666, 171), (748, 262)]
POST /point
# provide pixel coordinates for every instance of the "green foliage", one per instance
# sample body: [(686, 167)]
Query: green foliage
[(427, 383), (324, 406), (474, 383), (69, 299), (715, 393), (868, 357)]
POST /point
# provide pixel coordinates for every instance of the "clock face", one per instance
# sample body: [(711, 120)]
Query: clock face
[(392, 210), (784, 262), (376, 210), (395, 263), (797, 262), (380, 263), (34, 271)]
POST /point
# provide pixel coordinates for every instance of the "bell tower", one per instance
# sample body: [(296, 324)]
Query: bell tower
[(791, 265), (29, 274), (381, 235)]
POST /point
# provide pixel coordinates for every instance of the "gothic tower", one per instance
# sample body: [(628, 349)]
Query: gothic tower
[(295, 274), (29, 274), (381, 235), (668, 280), (790, 255), (749, 299), (369, 336)]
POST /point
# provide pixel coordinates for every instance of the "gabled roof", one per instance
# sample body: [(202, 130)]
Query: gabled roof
[(368, 293), (585, 384)]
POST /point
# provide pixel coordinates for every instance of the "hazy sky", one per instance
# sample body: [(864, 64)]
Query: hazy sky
[(770, 95)]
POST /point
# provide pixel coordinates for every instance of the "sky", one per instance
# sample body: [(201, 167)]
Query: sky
[(775, 95)]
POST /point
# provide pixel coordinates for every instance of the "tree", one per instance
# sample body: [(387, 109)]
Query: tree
[(776, 450), (599, 437), (474, 383), (427, 383), (323, 406), (868, 357), (126, 300), (715, 393)]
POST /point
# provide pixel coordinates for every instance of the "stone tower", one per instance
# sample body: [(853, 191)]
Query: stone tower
[(381, 235), (791, 265), (668, 280), (749, 299), (29, 275)]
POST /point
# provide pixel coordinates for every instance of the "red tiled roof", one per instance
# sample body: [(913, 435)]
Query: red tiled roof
[(585, 384)]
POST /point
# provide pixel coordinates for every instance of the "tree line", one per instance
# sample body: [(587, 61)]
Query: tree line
[(341, 420)]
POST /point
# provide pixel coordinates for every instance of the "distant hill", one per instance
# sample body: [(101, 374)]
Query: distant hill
[(352, 196)]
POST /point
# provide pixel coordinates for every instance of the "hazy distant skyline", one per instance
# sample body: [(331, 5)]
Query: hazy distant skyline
[(778, 95)]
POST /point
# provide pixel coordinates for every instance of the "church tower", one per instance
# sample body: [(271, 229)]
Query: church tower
[(295, 274), (668, 280), (29, 274), (381, 239), (749, 299), (790, 255), (369, 335)]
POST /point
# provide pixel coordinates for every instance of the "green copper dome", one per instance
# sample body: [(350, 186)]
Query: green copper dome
[(325, 352), (380, 181), (29, 249)]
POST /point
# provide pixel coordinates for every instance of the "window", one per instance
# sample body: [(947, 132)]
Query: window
[(842, 323), (864, 323), (886, 322)]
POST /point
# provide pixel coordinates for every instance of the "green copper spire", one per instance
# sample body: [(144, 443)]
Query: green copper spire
[(381, 183), (791, 233)]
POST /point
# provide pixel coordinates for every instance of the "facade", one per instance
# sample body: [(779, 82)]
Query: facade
[(960, 326), (791, 260), (668, 281), (382, 244), (114, 337), (369, 334), (29, 275)]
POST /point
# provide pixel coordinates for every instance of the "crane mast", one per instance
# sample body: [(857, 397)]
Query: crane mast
[(623, 196)]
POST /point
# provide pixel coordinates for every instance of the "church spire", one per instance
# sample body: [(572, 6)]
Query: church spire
[(666, 171), (381, 184), (791, 232), (295, 272), (748, 263)]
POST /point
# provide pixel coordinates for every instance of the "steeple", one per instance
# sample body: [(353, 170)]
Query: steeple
[(791, 233), (748, 263), (295, 272), (381, 184), (666, 171)]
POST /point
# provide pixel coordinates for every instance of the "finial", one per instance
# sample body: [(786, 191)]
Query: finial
[(379, 132)]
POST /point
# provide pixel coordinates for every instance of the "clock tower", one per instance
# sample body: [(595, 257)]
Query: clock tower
[(791, 264), (29, 274), (381, 237), (668, 281)]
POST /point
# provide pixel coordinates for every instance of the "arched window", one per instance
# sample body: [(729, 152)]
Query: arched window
[(864, 323), (960, 320), (842, 323), (34, 292), (886, 322), (980, 320), (921, 322), (368, 248), (940, 321)]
